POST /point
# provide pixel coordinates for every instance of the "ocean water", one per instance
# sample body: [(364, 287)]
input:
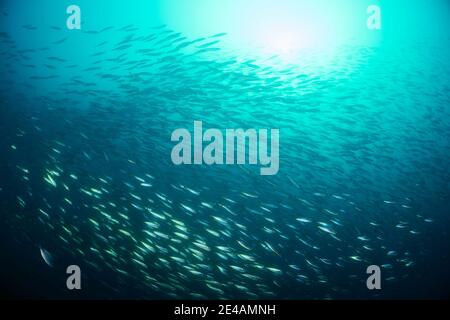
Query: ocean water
[(86, 176)]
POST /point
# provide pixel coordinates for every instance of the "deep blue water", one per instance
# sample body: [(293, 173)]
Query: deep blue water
[(86, 173)]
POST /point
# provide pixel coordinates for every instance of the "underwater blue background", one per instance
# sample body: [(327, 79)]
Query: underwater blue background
[(86, 175)]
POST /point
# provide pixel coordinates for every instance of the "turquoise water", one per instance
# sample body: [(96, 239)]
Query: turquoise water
[(86, 174)]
